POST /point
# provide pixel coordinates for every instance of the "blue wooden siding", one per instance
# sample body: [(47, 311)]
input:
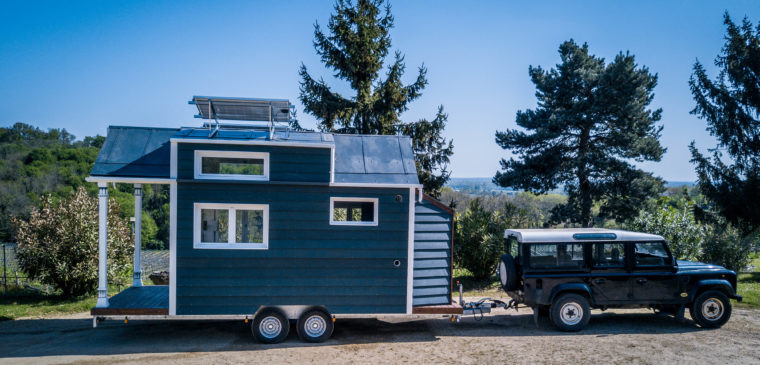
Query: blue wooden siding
[(309, 262), (432, 255), (291, 164)]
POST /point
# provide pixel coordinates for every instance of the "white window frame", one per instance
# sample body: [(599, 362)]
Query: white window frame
[(230, 244), (333, 199), (200, 154)]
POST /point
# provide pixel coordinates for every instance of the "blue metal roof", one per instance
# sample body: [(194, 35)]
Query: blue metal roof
[(135, 152), (359, 159)]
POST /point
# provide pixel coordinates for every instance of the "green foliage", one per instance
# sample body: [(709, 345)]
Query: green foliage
[(591, 121), (731, 107), (34, 163), (355, 49), (675, 222), (58, 244), (696, 237), (478, 240)]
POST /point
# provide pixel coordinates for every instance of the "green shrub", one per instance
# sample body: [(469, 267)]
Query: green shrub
[(479, 233), (58, 244), (727, 247), (676, 223)]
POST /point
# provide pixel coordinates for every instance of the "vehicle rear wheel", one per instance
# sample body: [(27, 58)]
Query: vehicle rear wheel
[(315, 326), (570, 312), (508, 273), (711, 309), (270, 326)]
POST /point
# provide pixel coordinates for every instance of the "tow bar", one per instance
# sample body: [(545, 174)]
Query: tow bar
[(479, 308)]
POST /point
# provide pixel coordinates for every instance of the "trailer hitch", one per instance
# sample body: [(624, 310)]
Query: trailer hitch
[(484, 305)]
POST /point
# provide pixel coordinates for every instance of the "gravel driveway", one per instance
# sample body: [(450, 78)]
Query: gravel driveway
[(621, 336)]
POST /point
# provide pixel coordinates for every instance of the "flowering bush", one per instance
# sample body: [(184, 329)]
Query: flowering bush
[(58, 244)]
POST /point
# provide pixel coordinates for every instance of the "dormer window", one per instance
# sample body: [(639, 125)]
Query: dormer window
[(231, 165)]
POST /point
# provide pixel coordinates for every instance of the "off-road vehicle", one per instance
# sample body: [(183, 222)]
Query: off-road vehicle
[(568, 272)]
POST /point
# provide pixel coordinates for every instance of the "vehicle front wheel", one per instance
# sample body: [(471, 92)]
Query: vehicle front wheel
[(315, 326), (570, 312), (270, 326), (711, 309)]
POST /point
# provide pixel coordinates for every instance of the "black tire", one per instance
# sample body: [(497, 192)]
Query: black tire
[(508, 273), (270, 326), (315, 325), (711, 309), (570, 312)]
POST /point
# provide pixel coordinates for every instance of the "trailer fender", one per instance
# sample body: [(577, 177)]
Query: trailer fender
[(581, 288)]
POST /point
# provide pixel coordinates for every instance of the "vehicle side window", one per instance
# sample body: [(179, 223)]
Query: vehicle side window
[(651, 254), (608, 255), (556, 255)]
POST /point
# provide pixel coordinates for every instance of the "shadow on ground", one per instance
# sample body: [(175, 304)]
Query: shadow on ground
[(58, 337)]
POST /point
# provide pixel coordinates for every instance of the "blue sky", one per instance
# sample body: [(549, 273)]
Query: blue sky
[(86, 65)]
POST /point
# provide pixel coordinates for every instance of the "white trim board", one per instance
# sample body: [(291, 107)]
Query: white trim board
[(231, 227), (375, 185), (173, 231), (253, 142), (128, 180), (375, 204), (410, 255), (200, 154)]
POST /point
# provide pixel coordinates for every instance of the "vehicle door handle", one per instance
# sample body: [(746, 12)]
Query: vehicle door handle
[(599, 281), (641, 281)]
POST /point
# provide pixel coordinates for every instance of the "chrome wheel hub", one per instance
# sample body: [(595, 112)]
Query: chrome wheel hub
[(571, 313), (270, 327), (315, 326), (712, 309)]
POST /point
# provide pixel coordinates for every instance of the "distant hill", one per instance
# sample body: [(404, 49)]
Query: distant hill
[(483, 185)]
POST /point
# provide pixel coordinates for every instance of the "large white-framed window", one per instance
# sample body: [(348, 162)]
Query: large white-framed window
[(353, 211), (231, 165), (231, 226)]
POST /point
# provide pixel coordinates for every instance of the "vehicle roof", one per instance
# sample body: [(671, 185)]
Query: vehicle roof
[(569, 235)]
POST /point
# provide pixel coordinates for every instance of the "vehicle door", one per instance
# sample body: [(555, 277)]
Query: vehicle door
[(609, 279), (654, 280)]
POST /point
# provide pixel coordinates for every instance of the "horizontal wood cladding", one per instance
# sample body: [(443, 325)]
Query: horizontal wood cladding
[(348, 269), (432, 255), (296, 164)]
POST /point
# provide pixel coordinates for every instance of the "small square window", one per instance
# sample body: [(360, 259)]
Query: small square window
[(353, 211), (214, 225), (609, 255)]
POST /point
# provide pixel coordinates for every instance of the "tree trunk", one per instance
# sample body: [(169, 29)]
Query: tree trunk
[(584, 185)]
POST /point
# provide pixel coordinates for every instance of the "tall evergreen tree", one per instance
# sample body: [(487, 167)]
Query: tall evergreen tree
[(355, 49), (731, 107), (591, 121)]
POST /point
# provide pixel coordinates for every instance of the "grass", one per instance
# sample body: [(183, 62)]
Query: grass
[(749, 285), (23, 302), (476, 288)]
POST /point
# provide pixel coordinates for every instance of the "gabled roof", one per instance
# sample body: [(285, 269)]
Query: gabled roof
[(143, 152), (578, 235)]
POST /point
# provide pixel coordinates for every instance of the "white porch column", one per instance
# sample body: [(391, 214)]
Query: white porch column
[(137, 276), (102, 245)]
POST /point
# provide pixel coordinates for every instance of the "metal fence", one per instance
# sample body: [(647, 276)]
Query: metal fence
[(152, 260)]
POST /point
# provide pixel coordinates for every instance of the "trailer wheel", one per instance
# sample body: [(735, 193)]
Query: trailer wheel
[(508, 272), (270, 326), (315, 325)]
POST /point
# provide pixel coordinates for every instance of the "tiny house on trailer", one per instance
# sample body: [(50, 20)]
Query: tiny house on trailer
[(274, 225)]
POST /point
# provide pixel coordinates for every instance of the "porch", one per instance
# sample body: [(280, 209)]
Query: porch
[(137, 300)]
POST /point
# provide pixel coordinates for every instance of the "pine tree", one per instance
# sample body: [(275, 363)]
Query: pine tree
[(355, 48), (731, 107), (591, 120)]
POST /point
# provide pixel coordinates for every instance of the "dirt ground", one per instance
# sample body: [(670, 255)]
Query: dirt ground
[(615, 336)]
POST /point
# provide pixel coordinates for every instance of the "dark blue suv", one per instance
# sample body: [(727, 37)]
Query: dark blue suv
[(567, 272)]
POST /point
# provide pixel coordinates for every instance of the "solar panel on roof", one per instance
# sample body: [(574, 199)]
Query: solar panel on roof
[(250, 109)]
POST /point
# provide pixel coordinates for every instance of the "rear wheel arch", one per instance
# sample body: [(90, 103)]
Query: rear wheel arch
[(572, 288)]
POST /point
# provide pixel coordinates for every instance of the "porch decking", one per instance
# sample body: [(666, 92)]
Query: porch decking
[(143, 300), (453, 308)]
